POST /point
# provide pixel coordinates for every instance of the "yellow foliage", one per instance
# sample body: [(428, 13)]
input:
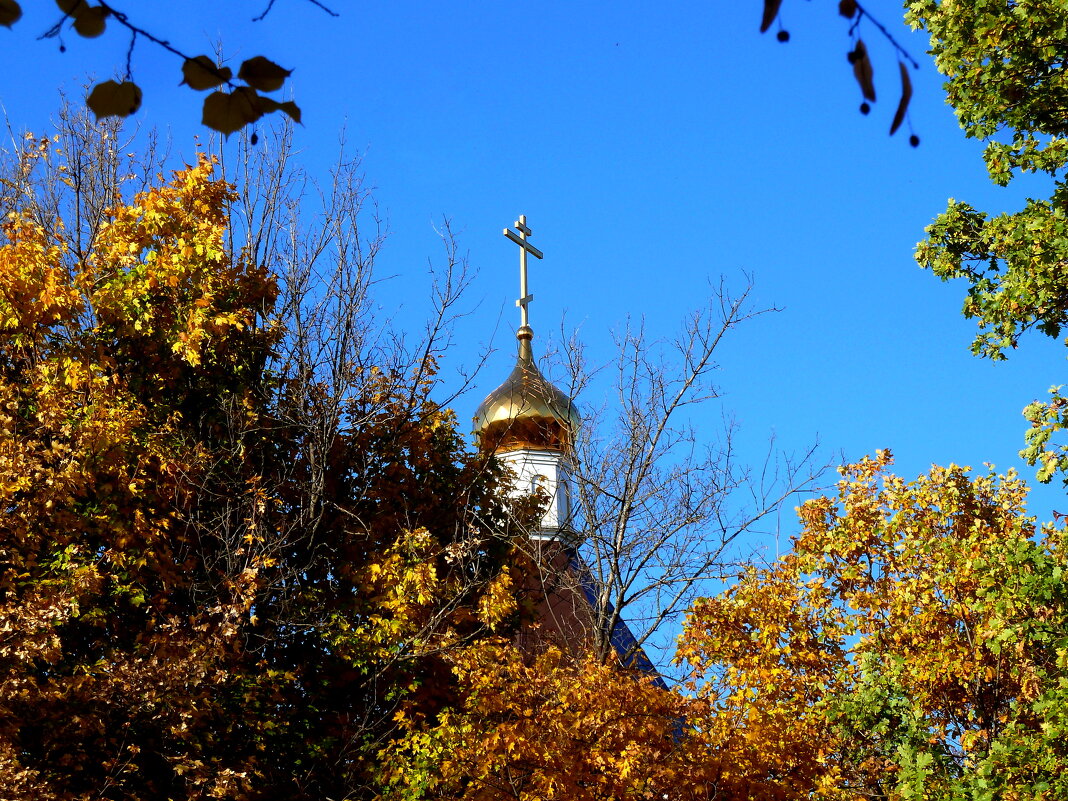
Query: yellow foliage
[(544, 726), (880, 647)]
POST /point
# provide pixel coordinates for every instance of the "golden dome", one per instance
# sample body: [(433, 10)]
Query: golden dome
[(526, 411)]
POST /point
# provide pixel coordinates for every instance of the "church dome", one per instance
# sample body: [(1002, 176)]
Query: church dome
[(526, 411)]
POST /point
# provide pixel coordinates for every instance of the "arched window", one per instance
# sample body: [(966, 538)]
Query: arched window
[(564, 491)]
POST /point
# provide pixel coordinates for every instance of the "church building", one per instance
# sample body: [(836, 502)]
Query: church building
[(531, 426)]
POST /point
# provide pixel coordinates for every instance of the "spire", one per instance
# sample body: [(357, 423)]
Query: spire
[(526, 411)]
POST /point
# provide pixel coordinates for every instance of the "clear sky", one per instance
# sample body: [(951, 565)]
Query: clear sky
[(653, 147)]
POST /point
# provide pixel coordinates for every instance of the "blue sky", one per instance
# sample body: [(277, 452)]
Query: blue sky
[(653, 148)]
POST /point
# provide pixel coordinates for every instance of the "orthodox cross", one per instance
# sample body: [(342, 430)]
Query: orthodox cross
[(524, 248)]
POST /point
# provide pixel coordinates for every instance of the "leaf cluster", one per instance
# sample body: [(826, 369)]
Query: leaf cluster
[(228, 109), (543, 725)]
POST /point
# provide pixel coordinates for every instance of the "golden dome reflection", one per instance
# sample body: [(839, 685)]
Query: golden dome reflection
[(526, 411)]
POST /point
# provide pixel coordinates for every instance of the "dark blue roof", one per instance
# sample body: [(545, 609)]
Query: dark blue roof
[(623, 641)]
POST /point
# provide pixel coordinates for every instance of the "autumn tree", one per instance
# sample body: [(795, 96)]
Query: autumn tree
[(543, 725), (911, 646), (247, 551), (236, 543)]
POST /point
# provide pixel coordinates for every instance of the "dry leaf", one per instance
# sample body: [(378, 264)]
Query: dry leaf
[(202, 73), (114, 99), (89, 20), (863, 71), (263, 74), (771, 11), (906, 96), (227, 112), (267, 105), (10, 11)]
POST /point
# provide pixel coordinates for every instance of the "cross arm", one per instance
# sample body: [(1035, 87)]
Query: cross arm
[(529, 248)]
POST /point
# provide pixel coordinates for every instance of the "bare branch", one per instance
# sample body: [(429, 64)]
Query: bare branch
[(660, 503)]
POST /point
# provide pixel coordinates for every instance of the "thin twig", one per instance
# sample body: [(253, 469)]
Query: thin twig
[(316, 3), (863, 12)]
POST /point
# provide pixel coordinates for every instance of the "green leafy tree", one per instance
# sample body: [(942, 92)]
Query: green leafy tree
[(1006, 80)]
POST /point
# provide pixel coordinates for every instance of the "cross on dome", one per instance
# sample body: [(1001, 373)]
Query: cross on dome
[(526, 414), (519, 236)]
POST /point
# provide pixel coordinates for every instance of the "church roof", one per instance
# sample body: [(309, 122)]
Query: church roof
[(623, 641), (526, 411)]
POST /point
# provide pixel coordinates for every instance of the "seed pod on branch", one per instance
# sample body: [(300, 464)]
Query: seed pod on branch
[(862, 70)]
